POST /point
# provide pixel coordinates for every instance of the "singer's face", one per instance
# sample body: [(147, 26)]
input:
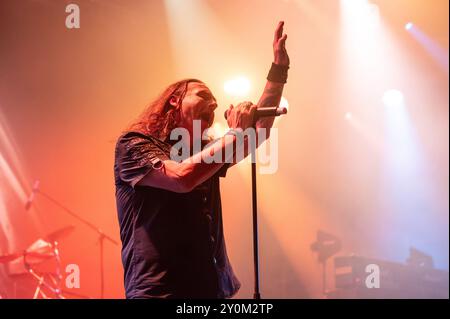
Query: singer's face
[(198, 104)]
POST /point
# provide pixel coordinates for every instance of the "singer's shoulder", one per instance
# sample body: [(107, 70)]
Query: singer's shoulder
[(127, 135), (135, 135), (131, 139)]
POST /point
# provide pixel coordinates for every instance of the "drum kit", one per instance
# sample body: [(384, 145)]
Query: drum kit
[(49, 283), (26, 263)]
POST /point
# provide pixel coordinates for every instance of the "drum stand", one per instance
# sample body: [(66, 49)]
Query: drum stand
[(55, 287)]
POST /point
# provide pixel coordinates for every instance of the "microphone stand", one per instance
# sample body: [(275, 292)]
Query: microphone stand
[(101, 235), (256, 294), (270, 111)]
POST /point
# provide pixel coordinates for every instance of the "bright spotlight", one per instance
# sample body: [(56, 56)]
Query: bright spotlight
[(237, 87), (217, 130), (431, 46), (393, 98), (348, 115), (361, 16), (284, 103), (409, 26)]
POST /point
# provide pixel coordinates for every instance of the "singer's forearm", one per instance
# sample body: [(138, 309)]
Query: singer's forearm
[(183, 177), (270, 97)]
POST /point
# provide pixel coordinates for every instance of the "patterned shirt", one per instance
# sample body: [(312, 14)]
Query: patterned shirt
[(173, 244)]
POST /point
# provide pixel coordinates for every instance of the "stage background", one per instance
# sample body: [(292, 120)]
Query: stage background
[(66, 95)]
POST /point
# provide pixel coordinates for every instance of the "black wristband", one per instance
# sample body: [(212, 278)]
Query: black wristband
[(278, 73)]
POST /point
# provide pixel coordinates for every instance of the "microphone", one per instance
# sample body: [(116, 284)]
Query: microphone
[(266, 112), (30, 199)]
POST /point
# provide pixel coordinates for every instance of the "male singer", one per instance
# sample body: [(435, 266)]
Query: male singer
[(170, 211)]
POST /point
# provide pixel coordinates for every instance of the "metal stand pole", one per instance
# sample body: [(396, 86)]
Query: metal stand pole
[(256, 294), (102, 236), (101, 239)]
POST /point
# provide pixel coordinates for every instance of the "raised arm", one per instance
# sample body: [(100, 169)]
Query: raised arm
[(276, 79), (274, 87)]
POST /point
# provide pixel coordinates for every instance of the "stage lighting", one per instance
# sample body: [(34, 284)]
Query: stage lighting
[(217, 130), (326, 245), (393, 98), (435, 49), (420, 259), (284, 103), (239, 86)]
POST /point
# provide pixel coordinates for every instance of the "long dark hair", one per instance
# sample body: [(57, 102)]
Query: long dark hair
[(160, 117)]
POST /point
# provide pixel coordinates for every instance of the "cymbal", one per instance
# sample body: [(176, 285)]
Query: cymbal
[(41, 249), (60, 233), (36, 257), (4, 259), (40, 255)]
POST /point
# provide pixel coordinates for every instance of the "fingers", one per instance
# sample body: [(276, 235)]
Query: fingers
[(252, 110), (241, 116), (230, 108), (249, 108), (246, 105), (283, 40), (278, 31), (251, 113), (242, 107)]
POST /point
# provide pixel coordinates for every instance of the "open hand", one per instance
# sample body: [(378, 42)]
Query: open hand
[(279, 46)]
